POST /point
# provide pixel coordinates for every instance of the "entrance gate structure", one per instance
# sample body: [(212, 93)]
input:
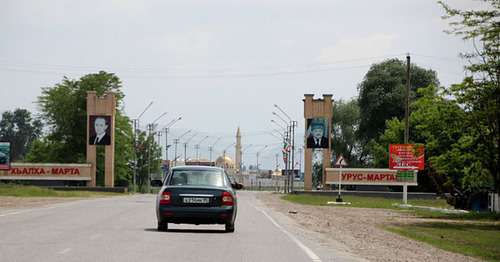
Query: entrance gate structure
[(101, 108), (317, 114)]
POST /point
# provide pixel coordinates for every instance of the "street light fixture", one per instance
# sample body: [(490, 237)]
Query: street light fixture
[(136, 123), (286, 123), (151, 127), (225, 149), (197, 146), (185, 147), (291, 129), (176, 141), (241, 163), (258, 153), (165, 128), (212, 148), (283, 112), (278, 124)]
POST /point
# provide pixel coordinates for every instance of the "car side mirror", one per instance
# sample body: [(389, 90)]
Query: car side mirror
[(156, 183), (237, 185)]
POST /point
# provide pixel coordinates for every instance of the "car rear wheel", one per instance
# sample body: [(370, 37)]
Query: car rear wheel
[(230, 227), (162, 226)]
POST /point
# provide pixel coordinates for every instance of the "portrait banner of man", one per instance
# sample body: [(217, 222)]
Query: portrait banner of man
[(100, 130), (317, 133)]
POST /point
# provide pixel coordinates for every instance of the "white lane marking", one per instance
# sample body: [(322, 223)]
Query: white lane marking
[(64, 251), (308, 251), (32, 209), (14, 213), (95, 237)]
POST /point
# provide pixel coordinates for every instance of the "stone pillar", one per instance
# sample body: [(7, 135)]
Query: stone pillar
[(317, 109), (105, 107)]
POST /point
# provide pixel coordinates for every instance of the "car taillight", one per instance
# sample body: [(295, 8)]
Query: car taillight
[(165, 197), (227, 199)]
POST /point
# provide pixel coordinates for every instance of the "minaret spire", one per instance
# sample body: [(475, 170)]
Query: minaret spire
[(238, 149)]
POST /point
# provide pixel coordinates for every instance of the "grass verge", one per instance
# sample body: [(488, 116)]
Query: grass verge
[(32, 191), (477, 240), (473, 237), (367, 202), (374, 202)]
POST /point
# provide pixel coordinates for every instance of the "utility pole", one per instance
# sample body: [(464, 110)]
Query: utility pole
[(407, 99), (407, 116)]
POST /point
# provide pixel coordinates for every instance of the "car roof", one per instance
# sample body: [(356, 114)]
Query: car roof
[(197, 168)]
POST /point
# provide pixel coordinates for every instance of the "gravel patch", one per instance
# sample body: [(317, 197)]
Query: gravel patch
[(359, 230)]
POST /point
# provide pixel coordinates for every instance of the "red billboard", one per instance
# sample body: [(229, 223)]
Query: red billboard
[(406, 157)]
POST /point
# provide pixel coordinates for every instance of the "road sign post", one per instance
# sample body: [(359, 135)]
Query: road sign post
[(340, 162)]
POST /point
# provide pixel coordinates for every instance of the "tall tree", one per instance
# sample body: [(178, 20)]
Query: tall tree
[(434, 122), (64, 109), (345, 123), (21, 130), (382, 93), (479, 93)]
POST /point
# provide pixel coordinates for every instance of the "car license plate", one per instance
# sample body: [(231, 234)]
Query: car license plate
[(196, 200)]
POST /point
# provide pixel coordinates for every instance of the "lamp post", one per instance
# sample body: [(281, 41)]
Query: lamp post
[(212, 148), (241, 164), (136, 123), (166, 128), (292, 126), (258, 153), (197, 146), (185, 147), (278, 125), (176, 141), (151, 127)]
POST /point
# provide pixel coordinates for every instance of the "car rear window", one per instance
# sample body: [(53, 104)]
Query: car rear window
[(197, 178)]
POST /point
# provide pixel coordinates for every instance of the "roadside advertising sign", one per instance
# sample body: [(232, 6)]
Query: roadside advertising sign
[(406, 157)]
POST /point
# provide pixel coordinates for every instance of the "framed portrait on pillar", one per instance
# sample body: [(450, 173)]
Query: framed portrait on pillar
[(100, 130), (317, 133)]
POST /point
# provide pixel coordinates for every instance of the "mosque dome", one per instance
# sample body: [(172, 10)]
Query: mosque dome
[(224, 161)]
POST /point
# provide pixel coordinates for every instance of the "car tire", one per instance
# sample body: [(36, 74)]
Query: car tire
[(162, 227), (230, 227)]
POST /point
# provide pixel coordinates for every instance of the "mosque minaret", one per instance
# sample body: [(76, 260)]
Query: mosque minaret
[(238, 150)]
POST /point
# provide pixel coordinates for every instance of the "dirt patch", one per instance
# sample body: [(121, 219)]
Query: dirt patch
[(359, 230), (12, 202)]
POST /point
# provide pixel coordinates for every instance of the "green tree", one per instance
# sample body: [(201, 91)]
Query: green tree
[(479, 93), (21, 130), (434, 122), (317, 177), (63, 107), (145, 157), (382, 93), (345, 141)]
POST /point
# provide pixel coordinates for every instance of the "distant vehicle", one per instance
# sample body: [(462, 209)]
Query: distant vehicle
[(196, 195)]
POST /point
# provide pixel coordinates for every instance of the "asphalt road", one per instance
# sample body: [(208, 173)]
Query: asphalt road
[(124, 229)]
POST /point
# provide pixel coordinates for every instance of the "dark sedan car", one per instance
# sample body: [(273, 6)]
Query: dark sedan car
[(196, 195)]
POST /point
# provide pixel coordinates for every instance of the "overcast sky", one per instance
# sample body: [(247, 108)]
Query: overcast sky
[(220, 64)]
